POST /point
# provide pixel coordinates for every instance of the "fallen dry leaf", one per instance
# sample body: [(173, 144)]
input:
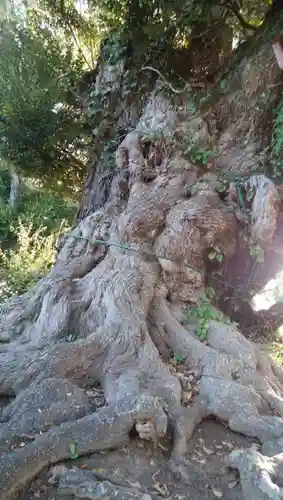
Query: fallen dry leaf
[(161, 488), (232, 484), (137, 484), (90, 393), (161, 446), (228, 444), (199, 460), (187, 396), (217, 493), (198, 453), (208, 451)]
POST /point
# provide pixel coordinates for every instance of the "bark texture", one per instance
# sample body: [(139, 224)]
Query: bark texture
[(111, 308)]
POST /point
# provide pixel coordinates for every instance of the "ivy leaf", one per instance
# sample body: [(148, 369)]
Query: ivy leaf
[(179, 359), (191, 107)]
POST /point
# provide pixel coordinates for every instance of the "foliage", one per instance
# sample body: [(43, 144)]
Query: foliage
[(73, 450), (46, 208), (215, 254), (178, 358), (40, 208), (41, 129), (199, 155), (203, 312), (51, 44), (23, 266), (275, 350), (68, 337), (27, 237), (257, 252), (223, 184)]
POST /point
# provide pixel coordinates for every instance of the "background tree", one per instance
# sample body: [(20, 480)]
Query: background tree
[(42, 130)]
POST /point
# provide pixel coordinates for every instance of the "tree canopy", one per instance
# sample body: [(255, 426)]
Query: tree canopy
[(48, 45)]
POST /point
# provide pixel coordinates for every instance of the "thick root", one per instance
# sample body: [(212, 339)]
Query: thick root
[(107, 428), (237, 383), (261, 477), (36, 409), (87, 484)]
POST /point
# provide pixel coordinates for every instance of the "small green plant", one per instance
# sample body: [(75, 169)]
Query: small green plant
[(199, 155), (204, 312), (73, 450), (68, 337), (222, 186), (257, 252), (191, 107), (216, 254), (223, 84), (24, 265), (178, 358), (274, 346), (27, 235)]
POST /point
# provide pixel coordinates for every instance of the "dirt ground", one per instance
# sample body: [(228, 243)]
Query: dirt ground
[(143, 464), (146, 466)]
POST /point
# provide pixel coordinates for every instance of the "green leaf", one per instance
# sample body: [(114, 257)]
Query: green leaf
[(210, 292), (179, 359), (73, 450), (192, 108), (219, 257)]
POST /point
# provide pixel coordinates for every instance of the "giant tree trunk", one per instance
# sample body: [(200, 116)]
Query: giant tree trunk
[(111, 308)]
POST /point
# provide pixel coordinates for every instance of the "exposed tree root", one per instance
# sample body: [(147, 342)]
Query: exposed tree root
[(107, 428), (45, 403), (85, 484), (261, 477)]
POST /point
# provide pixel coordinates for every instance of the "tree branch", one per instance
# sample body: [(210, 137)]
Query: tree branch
[(233, 8)]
